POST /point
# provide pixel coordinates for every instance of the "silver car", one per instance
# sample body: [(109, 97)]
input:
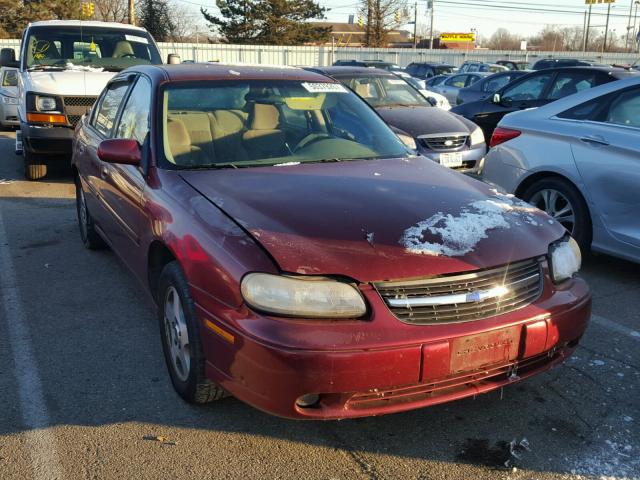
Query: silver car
[(578, 159), (452, 85), (8, 97)]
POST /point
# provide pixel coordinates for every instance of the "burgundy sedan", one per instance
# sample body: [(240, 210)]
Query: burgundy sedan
[(303, 259)]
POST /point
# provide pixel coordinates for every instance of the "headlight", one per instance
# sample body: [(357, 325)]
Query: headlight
[(407, 140), (302, 296), (9, 100), (477, 137), (565, 259), (45, 104)]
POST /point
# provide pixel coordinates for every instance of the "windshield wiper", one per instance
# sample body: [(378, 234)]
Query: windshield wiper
[(212, 166)]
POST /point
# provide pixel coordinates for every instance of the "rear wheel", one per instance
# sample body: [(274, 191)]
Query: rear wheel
[(565, 204), (34, 166), (90, 237), (180, 334)]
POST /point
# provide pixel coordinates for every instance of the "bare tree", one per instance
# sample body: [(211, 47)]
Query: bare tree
[(381, 16), (503, 39), (112, 10)]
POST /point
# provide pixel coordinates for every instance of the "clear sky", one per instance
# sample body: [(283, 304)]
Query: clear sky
[(518, 16)]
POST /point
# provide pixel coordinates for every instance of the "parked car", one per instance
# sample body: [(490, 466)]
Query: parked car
[(578, 159), (565, 62), (452, 85), (515, 64), (310, 270), (392, 67), (439, 101), (473, 66), (64, 65), (444, 138), (487, 86), (427, 70), (8, 97), (437, 80), (534, 90)]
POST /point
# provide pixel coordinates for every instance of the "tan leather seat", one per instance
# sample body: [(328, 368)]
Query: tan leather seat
[(183, 151), (198, 126), (227, 127), (363, 90), (123, 48), (264, 139)]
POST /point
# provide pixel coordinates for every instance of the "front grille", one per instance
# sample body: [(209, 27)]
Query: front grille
[(444, 143), (75, 107), (464, 297)]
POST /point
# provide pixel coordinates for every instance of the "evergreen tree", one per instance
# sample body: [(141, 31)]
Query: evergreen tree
[(155, 16), (268, 22)]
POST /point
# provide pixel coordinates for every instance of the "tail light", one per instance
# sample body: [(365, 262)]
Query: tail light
[(501, 135)]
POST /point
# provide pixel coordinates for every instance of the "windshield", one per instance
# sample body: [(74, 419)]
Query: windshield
[(110, 49), (385, 91), (264, 123)]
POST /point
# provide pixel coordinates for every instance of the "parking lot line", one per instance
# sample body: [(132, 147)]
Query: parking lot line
[(616, 327), (40, 441)]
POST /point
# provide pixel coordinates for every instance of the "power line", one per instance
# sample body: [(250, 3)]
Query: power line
[(522, 9)]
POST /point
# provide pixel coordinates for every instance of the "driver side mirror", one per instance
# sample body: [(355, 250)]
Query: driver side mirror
[(432, 101), (8, 58), (123, 151), (496, 98)]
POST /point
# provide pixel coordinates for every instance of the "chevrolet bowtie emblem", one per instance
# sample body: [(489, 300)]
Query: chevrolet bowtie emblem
[(448, 143)]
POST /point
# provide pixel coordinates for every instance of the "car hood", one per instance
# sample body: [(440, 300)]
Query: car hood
[(418, 121), (378, 219), (68, 82)]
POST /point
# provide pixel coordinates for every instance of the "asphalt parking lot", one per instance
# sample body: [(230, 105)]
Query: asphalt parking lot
[(84, 391)]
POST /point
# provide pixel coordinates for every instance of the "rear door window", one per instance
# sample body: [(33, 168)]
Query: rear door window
[(107, 109), (494, 84), (568, 83), (457, 81)]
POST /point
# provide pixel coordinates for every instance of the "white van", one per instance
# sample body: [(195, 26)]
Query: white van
[(64, 65)]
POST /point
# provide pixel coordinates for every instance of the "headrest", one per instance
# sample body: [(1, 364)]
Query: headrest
[(177, 133), (123, 48), (265, 117)]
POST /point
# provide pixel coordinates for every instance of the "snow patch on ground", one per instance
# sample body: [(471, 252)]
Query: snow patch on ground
[(459, 234)]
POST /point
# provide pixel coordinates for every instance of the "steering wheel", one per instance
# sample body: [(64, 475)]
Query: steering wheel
[(309, 139)]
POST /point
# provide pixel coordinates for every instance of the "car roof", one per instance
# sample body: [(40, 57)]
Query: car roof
[(362, 71), (432, 64), (82, 23), (613, 71), (211, 71)]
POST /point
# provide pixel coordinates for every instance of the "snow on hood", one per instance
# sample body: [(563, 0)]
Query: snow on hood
[(457, 235)]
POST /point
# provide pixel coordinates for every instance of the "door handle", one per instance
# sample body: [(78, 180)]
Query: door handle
[(597, 139)]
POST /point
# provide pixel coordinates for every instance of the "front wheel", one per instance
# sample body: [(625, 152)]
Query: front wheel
[(34, 165), (180, 334), (564, 203)]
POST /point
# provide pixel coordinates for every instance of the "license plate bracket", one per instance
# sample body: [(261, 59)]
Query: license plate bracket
[(451, 159), (474, 352)]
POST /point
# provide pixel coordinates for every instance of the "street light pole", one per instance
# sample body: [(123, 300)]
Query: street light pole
[(433, 5), (415, 25)]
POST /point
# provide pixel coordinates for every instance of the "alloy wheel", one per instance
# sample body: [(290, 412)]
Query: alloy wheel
[(176, 334), (557, 206)]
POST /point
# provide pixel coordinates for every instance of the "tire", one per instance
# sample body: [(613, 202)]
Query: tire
[(555, 196), (34, 166), (176, 318), (88, 234)]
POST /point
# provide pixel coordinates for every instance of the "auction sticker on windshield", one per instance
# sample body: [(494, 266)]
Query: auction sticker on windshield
[(135, 38), (451, 159), (324, 87)]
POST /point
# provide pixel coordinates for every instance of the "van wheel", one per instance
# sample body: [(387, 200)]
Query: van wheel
[(181, 343), (564, 203), (34, 166)]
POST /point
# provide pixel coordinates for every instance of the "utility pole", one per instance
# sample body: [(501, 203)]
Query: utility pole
[(606, 29), (584, 32), (415, 25), (586, 35), (433, 4), (132, 12), (626, 38)]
